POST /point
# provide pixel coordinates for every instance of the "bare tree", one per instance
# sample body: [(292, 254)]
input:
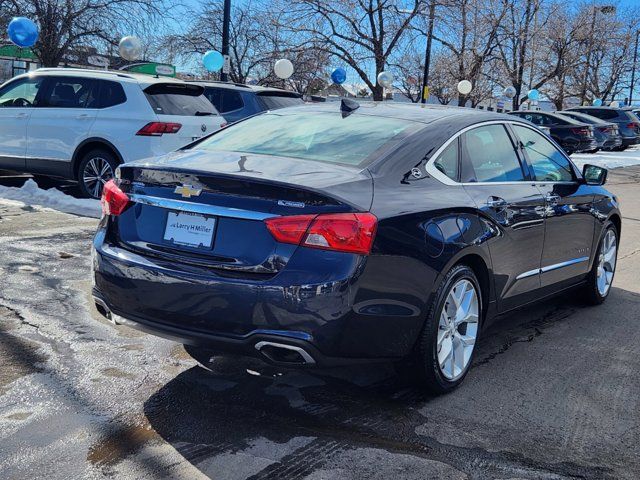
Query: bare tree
[(522, 23), (359, 33), (65, 24), (470, 31)]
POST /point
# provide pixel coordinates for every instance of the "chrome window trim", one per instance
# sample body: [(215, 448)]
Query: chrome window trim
[(550, 268), (202, 208), (441, 177)]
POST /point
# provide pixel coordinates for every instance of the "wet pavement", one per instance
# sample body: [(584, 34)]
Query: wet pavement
[(553, 393)]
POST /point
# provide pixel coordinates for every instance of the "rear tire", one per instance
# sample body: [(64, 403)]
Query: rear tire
[(446, 348), (96, 168), (600, 278)]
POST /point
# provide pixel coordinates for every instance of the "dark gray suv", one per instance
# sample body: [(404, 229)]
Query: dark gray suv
[(236, 101), (628, 123)]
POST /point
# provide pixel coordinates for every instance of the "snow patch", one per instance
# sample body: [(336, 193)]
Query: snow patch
[(31, 194), (626, 158)]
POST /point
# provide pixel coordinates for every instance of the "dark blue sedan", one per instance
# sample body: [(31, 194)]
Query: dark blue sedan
[(337, 233)]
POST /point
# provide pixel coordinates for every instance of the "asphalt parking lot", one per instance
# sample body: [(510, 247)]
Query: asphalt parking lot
[(553, 393)]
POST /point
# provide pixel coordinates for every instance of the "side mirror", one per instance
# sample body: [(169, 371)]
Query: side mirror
[(594, 175)]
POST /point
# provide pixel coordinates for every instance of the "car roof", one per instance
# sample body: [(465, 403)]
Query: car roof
[(418, 112), (120, 75), (259, 89)]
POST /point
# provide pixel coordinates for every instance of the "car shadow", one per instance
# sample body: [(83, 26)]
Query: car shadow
[(206, 413)]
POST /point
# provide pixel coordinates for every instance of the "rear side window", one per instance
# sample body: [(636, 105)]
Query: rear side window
[(490, 156), (447, 161), (549, 165), (178, 99), (631, 116), (274, 102), (111, 94), (70, 92), (604, 114)]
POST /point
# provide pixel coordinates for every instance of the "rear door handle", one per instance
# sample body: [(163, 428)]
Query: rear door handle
[(552, 198), (496, 202), (83, 116), (22, 115)]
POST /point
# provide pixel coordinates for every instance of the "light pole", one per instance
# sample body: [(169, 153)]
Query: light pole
[(427, 54), (607, 10), (226, 19), (633, 71)]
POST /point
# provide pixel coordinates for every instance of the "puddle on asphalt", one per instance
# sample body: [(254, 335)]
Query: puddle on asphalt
[(119, 443)]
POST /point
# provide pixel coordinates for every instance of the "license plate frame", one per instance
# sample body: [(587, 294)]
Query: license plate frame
[(192, 230)]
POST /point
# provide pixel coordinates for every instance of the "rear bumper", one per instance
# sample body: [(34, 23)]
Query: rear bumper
[(328, 311), (612, 142), (628, 141), (585, 145)]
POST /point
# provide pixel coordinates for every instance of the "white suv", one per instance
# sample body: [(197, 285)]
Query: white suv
[(80, 124)]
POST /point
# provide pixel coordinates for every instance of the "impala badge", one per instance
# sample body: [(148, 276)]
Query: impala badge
[(188, 191)]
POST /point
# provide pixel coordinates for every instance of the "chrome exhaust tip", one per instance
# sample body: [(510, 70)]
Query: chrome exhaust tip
[(284, 354), (102, 307)]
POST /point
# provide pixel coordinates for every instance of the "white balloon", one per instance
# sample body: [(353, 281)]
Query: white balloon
[(614, 104), (509, 92), (283, 68), (385, 79), (465, 87), (130, 48)]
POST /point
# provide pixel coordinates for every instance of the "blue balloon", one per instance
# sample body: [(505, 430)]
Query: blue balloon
[(23, 32), (533, 94), (597, 102), (339, 75), (213, 60)]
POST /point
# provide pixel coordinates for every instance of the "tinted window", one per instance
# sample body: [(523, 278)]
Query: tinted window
[(321, 136), (549, 165), (447, 161), (178, 99), (111, 94), (69, 92), (214, 95), (490, 156), (21, 93), (273, 102), (605, 114)]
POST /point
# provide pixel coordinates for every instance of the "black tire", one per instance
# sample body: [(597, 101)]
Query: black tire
[(429, 370), (591, 295), (96, 157), (202, 355)]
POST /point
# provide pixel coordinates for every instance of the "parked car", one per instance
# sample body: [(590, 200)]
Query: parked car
[(330, 234), (573, 136), (236, 101), (628, 123), (80, 124), (607, 134)]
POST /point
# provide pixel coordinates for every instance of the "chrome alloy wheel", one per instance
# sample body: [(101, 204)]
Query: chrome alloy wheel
[(458, 329), (96, 173), (607, 262)]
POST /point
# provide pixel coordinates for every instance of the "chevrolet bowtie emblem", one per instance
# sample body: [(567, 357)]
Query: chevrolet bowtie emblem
[(187, 191)]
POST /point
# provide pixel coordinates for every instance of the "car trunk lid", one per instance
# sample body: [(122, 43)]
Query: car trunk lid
[(208, 208)]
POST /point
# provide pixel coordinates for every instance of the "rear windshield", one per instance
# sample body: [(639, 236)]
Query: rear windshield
[(178, 99), (274, 102), (322, 136)]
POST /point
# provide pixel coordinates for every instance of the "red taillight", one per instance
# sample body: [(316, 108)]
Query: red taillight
[(113, 200), (340, 232), (155, 129), (605, 129), (633, 125), (583, 131)]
